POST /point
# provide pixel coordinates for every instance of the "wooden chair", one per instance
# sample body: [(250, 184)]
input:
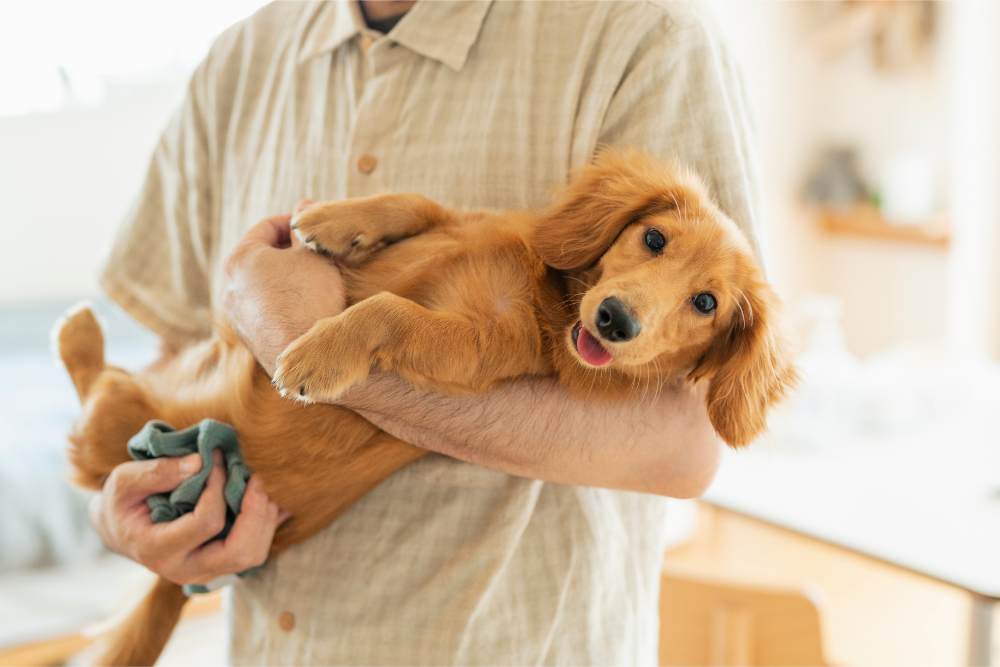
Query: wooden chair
[(712, 622)]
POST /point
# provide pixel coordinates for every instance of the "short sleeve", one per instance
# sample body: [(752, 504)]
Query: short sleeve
[(158, 268), (682, 99)]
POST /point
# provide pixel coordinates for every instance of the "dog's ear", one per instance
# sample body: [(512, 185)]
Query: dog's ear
[(601, 200), (748, 366)]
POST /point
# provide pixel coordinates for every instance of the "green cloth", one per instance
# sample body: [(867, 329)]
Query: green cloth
[(157, 439)]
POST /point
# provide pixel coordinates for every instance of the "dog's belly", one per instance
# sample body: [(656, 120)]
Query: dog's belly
[(315, 460), (406, 268), (465, 269)]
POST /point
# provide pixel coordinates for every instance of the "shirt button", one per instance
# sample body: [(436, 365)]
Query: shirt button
[(286, 620), (366, 164), (366, 43)]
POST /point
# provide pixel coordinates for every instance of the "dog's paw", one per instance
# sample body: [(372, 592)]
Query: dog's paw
[(78, 336), (336, 230), (316, 369)]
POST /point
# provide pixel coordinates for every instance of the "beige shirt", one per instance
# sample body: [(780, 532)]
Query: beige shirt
[(475, 105)]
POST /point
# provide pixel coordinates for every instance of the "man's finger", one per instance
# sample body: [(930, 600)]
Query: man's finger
[(274, 232), (131, 482), (247, 544), (207, 520), (302, 205), (260, 532)]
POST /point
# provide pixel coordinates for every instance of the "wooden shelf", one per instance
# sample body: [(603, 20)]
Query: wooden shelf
[(866, 221)]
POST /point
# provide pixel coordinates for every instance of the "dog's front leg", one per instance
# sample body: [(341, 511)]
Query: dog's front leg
[(439, 350)]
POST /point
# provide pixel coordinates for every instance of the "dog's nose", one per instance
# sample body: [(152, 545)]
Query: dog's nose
[(614, 322)]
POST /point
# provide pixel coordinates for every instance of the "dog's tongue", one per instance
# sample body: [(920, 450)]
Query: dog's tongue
[(591, 350)]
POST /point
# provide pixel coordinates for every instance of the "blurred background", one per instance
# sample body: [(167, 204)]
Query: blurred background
[(876, 498)]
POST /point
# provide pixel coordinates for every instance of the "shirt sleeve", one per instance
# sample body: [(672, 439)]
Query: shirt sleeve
[(158, 268), (682, 99)]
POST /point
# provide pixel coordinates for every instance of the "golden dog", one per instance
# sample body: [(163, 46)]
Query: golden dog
[(634, 279)]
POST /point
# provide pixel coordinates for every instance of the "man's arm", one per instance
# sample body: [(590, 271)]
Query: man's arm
[(534, 427), (276, 290)]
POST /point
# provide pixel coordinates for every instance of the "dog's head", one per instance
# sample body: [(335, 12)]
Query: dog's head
[(667, 284)]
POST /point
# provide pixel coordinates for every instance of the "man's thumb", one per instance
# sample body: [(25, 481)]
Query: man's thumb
[(158, 475)]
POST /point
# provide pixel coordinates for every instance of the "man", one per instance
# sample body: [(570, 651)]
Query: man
[(465, 556)]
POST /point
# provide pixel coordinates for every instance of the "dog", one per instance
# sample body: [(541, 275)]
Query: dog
[(633, 279)]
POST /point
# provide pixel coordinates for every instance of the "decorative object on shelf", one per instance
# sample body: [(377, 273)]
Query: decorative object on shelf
[(837, 183), (898, 31), (906, 195)]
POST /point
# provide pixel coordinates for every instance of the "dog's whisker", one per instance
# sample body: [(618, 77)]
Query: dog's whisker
[(567, 301), (593, 379), (656, 386), (741, 313), (659, 382), (749, 307), (645, 389)]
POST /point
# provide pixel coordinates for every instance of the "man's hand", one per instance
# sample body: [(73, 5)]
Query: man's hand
[(176, 549), (276, 289)]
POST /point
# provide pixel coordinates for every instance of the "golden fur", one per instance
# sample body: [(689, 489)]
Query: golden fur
[(458, 302)]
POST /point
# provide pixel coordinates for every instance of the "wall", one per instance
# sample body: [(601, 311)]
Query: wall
[(66, 180), (85, 90), (807, 103)]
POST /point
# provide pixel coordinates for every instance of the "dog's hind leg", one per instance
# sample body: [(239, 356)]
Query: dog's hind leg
[(115, 405), (351, 230)]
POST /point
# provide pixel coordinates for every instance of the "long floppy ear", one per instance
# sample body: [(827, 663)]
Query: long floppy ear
[(618, 188), (749, 367)]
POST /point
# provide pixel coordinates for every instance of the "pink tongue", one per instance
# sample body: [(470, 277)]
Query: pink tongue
[(591, 350)]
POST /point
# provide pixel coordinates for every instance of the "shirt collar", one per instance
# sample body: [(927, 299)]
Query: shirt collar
[(333, 24), (444, 31)]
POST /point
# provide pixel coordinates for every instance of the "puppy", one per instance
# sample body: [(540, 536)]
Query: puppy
[(632, 280)]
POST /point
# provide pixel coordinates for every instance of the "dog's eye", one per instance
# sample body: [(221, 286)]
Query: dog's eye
[(704, 302), (654, 240)]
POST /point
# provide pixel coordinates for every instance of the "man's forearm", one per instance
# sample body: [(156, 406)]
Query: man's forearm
[(534, 428)]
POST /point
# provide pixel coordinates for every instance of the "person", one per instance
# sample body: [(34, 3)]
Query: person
[(534, 531)]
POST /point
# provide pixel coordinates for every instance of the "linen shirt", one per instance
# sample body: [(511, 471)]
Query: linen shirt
[(474, 105)]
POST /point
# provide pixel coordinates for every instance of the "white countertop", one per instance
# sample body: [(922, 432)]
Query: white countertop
[(926, 498)]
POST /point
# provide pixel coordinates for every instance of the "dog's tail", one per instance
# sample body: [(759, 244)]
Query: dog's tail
[(140, 638), (79, 343)]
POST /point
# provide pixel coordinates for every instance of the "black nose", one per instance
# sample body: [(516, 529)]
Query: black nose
[(614, 323)]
